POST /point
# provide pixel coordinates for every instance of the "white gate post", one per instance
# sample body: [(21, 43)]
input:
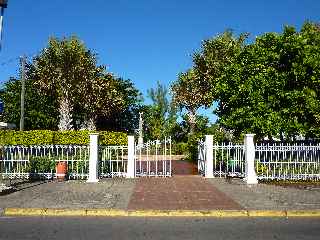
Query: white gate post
[(250, 176), (131, 160), (209, 156), (93, 160)]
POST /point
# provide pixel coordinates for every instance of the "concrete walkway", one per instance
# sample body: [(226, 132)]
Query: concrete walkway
[(110, 193), (267, 196)]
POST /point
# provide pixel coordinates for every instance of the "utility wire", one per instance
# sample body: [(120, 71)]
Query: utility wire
[(11, 60)]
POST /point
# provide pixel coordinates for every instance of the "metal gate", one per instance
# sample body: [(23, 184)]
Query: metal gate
[(228, 159), (113, 161), (153, 158)]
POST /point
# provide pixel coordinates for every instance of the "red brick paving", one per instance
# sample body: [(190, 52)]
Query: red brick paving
[(184, 168), (179, 193)]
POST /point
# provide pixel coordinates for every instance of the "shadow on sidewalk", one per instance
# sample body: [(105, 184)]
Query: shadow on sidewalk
[(22, 185)]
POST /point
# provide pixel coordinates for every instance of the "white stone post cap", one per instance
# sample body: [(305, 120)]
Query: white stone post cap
[(250, 134)]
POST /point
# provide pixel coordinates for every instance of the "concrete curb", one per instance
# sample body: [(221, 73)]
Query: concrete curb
[(157, 213)]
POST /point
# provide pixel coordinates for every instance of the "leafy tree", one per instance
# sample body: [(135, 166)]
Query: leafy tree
[(104, 98), (197, 87), (272, 87), (156, 113), (188, 94), (161, 115), (211, 61), (40, 110), (82, 95), (66, 68), (125, 115)]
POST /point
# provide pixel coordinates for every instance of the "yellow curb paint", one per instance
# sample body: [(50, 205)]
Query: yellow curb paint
[(266, 213), (65, 212), (148, 213), (233, 213), (187, 213), (24, 211), (158, 213), (107, 212), (303, 213), (210, 213)]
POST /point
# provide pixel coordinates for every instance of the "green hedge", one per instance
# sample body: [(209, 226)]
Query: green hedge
[(44, 137)]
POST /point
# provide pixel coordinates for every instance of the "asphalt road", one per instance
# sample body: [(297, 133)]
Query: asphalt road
[(158, 228)]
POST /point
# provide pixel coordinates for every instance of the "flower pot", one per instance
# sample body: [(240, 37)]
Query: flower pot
[(61, 172)]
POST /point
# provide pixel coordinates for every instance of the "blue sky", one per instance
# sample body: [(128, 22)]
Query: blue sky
[(144, 40)]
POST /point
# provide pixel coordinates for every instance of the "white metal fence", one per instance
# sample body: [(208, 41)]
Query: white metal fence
[(24, 162), (33, 162), (153, 158), (228, 160), (113, 161), (269, 161), (284, 161)]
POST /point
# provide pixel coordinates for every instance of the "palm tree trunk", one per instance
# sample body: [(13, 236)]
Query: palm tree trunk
[(192, 120), (90, 124), (65, 112)]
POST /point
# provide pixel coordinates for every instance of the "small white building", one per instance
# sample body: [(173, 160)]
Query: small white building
[(4, 125)]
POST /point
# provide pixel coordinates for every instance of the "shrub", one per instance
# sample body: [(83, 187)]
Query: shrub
[(41, 165), (180, 148), (45, 137)]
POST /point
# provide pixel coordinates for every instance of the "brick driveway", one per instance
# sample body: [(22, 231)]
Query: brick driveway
[(185, 192), (180, 167)]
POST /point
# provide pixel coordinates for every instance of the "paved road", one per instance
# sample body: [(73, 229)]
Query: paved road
[(158, 228)]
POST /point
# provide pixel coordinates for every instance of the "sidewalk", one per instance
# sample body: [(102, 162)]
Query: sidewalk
[(185, 191), (177, 193), (110, 193), (267, 196)]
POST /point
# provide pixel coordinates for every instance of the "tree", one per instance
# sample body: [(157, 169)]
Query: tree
[(65, 68), (127, 101), (272, 87), (40, 110), (103, 97), (82, 95), (161, 115), (211, 61), (188, 94), (197, 86)]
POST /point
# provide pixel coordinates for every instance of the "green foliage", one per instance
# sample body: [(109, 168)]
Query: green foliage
[(188, 94), (272, 86), (40, 109), (41, 165), (125, 116), (45, 137), (269, 87), (80, 166), (179, 148), (161, 116), (65, 88), (67, 70), (35, 137), (197, 86), (113, 138), (211, 61), (192, 147)]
